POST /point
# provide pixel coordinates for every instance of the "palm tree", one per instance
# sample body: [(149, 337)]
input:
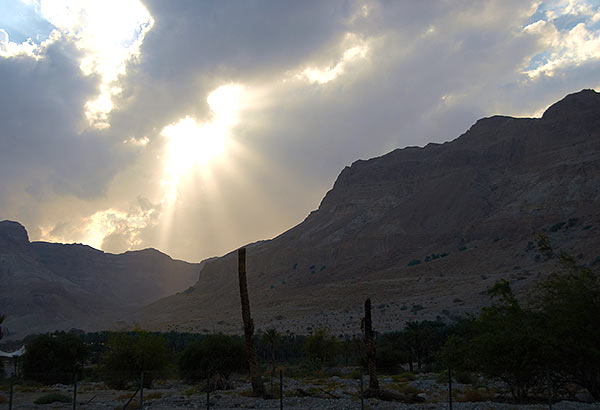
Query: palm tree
[(258, 388), (370, 350), (271, 337), (3, 330)]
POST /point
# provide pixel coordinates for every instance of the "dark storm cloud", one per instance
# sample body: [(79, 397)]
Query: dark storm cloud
[(41, 112), (195, 47)]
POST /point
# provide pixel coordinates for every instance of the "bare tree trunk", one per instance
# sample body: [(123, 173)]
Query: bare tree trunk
[(258, 389), (370, 351)]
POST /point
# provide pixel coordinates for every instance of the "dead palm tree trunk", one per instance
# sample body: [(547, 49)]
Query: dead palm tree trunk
[(3, 331), (370, 351), (258, 389)]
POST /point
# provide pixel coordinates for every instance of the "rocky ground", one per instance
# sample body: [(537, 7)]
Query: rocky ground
[(307, 393)]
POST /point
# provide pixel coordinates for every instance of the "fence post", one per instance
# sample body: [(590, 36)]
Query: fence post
[(449, 388), (142, 390), (75, 392), (12, 384), (362, 397), (550, 393), (280, 389), (208, 392)]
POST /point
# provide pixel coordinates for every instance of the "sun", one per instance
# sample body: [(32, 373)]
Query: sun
[(197, 144), (192, 144)]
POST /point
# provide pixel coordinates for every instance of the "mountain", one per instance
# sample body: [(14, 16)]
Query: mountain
[(423, 231), (48, 286)]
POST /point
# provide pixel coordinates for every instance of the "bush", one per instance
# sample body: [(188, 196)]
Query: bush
[(216, 355), (404, 377), (406, 388), (54, 358), (570, 308), (389, 359), (53, 397), (130, 354), (321, 346)]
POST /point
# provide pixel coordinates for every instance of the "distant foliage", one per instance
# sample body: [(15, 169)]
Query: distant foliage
[(556, 335), (569, 304), (544, 246), (414, 262), (54, 358), (217, 356), (321, 346), (556, 227), (416, 308), (128, 354), (434, 256)]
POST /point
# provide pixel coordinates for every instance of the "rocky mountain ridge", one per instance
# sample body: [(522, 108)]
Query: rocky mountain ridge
[(48, 286), (422, 231)]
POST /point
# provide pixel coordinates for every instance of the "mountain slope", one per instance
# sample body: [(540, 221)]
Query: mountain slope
[(48, 286), (469, 210)]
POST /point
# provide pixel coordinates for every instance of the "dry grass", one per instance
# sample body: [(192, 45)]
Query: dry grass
[(406, 388), (125, 396), (404, 377), (475, 396), (154, 395)]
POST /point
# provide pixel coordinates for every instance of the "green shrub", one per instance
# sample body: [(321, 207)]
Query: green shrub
[(216, 355), (414, 262), (321, 346), (404, 377), (130, 354), (54, 358), (354, 374), (442, 377), (408, 389), (416, 307), (53, 397)]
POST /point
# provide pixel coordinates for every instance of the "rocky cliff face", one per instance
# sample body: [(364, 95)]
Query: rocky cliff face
[(422, 231), (48, 286)]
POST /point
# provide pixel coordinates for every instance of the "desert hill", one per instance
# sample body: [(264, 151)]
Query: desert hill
[(423, 231), (48, 286)]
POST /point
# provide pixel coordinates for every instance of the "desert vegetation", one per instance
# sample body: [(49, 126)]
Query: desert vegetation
[(544, 347)]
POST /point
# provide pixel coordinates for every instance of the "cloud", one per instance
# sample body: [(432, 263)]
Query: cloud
[(356, 50), (320, 84), (567, 35), (109, 34), (110, 229)]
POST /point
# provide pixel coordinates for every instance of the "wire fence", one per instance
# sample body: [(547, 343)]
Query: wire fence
[(158, 391)]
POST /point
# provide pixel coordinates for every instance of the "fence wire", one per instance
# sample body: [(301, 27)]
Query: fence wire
[(160, 390)]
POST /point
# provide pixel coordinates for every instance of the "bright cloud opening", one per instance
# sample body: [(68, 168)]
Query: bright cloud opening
[(351, 54), (112, 225), (110, 33), (191, 143)]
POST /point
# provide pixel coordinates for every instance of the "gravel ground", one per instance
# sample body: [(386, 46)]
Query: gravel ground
[(329, 393)]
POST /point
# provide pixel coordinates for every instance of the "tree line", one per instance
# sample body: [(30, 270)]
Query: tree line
[(551, 340)]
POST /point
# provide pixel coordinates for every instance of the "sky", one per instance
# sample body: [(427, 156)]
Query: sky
[(196, 127)]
